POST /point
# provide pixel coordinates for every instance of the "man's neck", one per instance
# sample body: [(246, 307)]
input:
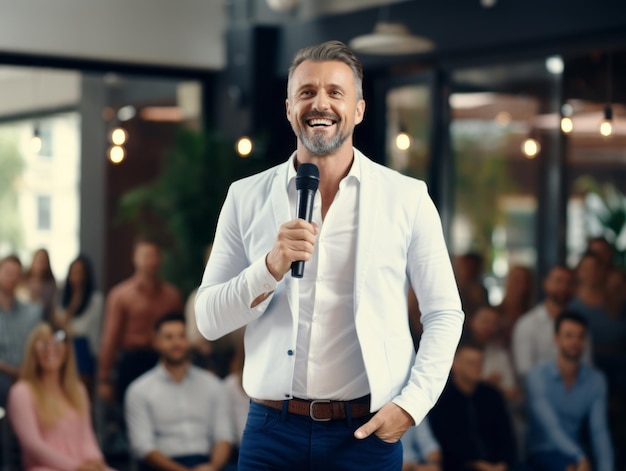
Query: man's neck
[(568, 369), (176, 371), (553, 308), (148, 281)]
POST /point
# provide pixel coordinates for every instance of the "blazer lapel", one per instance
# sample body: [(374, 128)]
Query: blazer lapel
[(282, 213), (368, 214)]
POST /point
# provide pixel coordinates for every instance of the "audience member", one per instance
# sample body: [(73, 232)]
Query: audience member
[(565, 395), (421, 451), (616, 293), (132, 308), (603, 250), (533, 334), (81, 314), (591, 301), (39, 284), (49, 408), (471, 421), (177, 413), (497, 365), (518, 299), (17, 319), (468, 269)]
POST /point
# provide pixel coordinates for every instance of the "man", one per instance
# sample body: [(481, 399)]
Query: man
[(564, 396), (178, 414), (471, 421), (603, 250), (132, 308), (533, 334), (17, 319), (331, 355)]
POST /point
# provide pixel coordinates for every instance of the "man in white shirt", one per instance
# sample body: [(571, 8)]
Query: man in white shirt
[(533, 334), (330, 366), (177, 414)]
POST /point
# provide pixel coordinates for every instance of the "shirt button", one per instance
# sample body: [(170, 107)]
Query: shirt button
[(287, 395), (267, 286), (289, 352)]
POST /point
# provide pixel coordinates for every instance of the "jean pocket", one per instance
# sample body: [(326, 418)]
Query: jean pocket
[(261, 418)]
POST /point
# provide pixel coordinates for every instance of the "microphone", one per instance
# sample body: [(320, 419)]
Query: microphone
[(307, 181)]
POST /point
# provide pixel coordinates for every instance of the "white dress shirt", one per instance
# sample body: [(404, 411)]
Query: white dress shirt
[(399, 240), (329, 363), (177, 419)]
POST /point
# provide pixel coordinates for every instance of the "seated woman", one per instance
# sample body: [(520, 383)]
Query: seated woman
[(49, 408)]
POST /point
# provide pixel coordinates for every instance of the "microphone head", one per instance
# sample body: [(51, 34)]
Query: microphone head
[(308, 177)]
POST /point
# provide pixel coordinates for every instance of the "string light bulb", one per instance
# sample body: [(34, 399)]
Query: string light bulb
[(117, 154), (403, 141), (119, 136), (531, 147), (567, 125), (244, 146), (606, 127)]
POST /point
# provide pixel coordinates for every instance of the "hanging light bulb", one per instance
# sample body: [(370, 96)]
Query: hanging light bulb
[(531, 147), (244, 146), (117, 154), (119, 136), (567, 125), (606, 127), (403, 141), (35, 141)]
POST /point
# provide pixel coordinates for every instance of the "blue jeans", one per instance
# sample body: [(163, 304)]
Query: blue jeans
[(277, 440)]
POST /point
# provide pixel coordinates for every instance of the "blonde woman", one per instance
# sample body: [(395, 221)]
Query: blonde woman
[(49, 407)]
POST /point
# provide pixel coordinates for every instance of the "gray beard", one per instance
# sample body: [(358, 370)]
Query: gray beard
[(320, 146)]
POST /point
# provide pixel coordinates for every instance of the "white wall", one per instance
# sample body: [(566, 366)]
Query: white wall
[(182, 33)]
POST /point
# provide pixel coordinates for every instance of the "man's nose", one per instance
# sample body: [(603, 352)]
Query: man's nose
[(321, 101)]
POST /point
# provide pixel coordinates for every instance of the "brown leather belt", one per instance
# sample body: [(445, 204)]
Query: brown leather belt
[(322, 410)]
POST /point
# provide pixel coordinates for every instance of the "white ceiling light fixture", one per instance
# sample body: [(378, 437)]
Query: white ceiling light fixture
[(282, 5), (391, 39)]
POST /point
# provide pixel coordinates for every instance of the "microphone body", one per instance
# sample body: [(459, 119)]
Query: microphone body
[(307, 182)]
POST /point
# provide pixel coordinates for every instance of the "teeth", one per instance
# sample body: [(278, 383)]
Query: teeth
[(320, 122)]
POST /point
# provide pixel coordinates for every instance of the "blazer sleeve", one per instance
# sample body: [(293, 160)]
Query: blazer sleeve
[(231, 282), (430, 273)]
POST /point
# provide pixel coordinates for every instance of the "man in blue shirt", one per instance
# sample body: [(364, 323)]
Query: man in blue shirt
[(564, 396)]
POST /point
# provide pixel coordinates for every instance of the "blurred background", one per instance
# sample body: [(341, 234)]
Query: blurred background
[(119, 118)]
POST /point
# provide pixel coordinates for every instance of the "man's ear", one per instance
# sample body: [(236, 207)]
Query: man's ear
[(287, 109), (360, 111)]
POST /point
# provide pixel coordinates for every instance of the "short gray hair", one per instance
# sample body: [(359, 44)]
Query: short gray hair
[(330, 51)]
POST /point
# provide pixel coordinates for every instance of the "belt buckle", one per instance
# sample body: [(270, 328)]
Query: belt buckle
[(312, 406)]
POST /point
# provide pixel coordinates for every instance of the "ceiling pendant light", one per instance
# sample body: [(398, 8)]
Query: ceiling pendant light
[(390, 38)]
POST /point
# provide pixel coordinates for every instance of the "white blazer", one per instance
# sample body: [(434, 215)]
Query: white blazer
[(399, 240)]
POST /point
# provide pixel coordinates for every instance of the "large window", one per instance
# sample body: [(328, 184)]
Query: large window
[(498, 133), (40, 196)]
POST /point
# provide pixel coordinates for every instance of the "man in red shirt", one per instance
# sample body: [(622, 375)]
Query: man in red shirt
[(132, 308)]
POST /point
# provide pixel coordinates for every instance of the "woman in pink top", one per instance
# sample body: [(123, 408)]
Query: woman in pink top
[(49, 408)]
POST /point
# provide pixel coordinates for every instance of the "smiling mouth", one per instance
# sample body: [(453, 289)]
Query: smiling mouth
[(320, 122)]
